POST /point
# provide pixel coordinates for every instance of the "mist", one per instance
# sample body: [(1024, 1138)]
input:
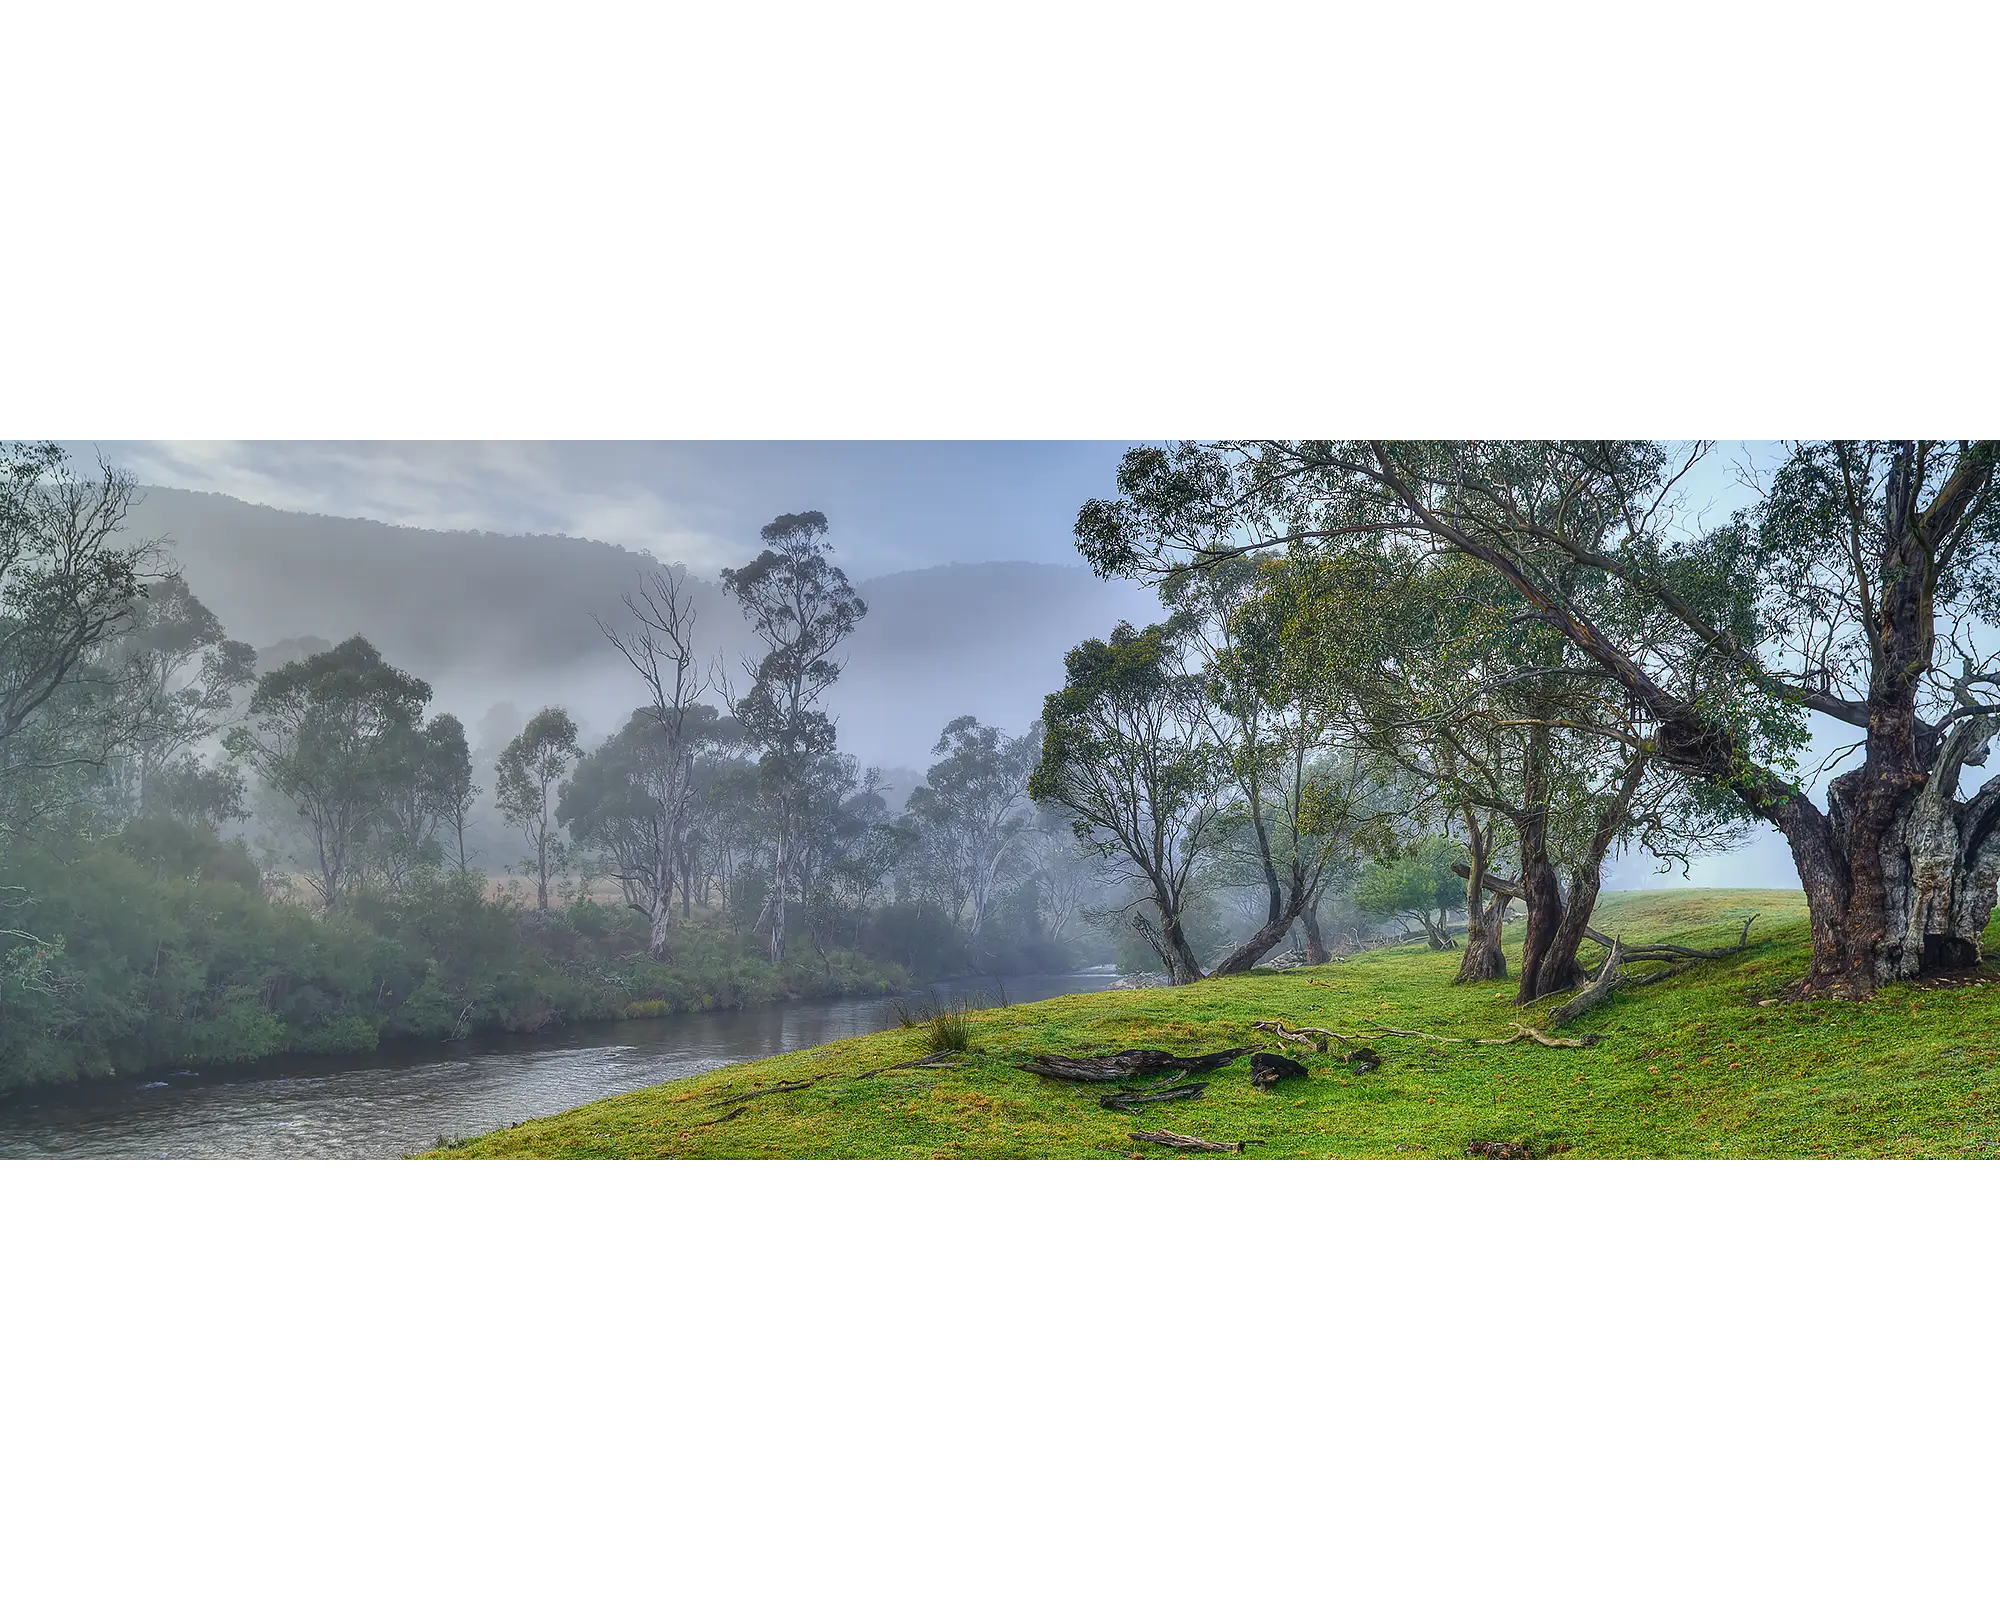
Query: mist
[(496, 620)]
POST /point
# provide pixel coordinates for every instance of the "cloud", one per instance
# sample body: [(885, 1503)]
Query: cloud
[(603, 492)]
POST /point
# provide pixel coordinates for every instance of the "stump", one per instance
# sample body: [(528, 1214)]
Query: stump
[(1267, 1069)]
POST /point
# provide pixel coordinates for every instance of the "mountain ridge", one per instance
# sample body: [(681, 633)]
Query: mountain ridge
[(492, 617)]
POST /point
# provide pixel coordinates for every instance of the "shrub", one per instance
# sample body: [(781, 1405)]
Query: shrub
[(949, 1033)]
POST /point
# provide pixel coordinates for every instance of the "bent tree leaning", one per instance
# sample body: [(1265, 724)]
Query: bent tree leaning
[(1856, 588)]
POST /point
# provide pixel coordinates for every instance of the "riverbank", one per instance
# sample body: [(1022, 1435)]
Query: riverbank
[(161, 951), (1696, 1066), (406, 1098)]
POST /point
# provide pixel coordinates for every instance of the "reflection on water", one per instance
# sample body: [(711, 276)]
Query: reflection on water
[(391, 1105)]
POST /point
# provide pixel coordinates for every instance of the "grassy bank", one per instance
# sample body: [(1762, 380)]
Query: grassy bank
[(1695, 1066)]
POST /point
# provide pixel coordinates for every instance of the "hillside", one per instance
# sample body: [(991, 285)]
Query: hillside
[(490, 618), (1699, 1066)]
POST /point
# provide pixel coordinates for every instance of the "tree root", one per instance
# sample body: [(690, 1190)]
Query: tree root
[(900, 1066), (776, 1088), (727, 1116), (1183, 1141)]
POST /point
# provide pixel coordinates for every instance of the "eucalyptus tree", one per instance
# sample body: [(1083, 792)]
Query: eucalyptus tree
[(1128, 751), (182, 672), (427, 789), (802, 608), (1503, 737), (199, 793), (634, 799), (70, 579), (1585, 754), (657, 641), (450, 788), (527, 781), (1300, 806), (972, 811), (330, 733), (1061, 870)]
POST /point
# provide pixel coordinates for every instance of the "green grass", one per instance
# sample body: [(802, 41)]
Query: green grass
[(1694, 1066)]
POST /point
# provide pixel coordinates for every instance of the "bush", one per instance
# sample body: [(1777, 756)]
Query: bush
[(157, 948), (949, 1033)]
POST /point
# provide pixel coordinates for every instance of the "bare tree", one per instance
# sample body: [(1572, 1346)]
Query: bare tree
[(657, 642)]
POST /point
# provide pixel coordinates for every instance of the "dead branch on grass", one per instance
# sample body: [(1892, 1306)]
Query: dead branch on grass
[(1183, 1141)]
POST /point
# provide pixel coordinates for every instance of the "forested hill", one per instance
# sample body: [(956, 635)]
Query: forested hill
[(491, 618)]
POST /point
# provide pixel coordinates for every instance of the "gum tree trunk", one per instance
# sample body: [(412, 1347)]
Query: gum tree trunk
[(1316, 951), (1485, 958)]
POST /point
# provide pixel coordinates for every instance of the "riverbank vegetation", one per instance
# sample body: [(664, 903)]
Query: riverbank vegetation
[(159, 948), (213, 853), (1719, 1063)]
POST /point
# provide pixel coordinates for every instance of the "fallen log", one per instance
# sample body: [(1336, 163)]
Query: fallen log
[(1267, 1068), (1684, 952), (1125, 1064), (1132, 1102), (1183, 1141), (1664, 973), (1598, 991)]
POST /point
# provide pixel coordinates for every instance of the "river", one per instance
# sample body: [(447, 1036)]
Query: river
[(392, 1103)]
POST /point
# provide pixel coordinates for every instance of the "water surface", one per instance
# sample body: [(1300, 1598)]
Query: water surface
[(391, 1104)]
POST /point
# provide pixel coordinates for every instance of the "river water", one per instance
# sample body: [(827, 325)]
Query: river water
[(391, 1104)]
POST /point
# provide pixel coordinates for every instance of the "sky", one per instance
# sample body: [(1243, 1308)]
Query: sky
[(892, 507)]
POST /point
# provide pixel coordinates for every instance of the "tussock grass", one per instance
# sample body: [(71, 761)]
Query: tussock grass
[(1695, 1067)]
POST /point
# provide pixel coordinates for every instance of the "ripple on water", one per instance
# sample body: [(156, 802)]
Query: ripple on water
[(390, 1106)]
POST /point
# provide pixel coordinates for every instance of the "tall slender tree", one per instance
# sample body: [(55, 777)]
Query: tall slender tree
[(802, 607), (972, 811), (1128, 752), (527, 782)]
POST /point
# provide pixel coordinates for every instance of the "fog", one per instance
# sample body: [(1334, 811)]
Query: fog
[(499, 620)]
